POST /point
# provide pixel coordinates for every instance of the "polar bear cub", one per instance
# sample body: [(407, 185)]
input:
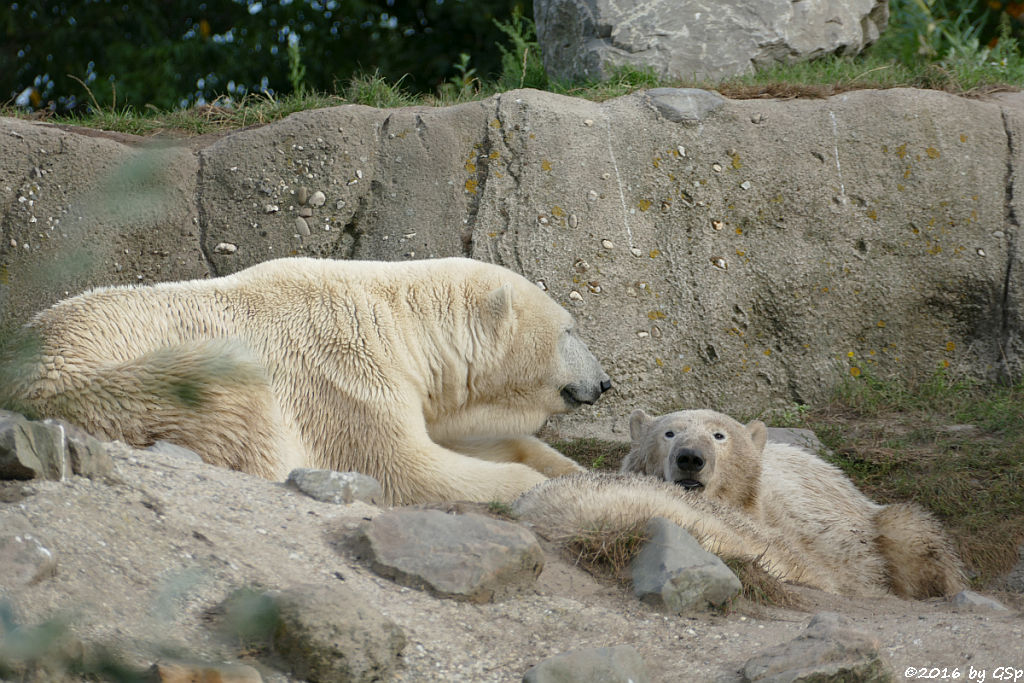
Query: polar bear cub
[(802, 498), (431, 376)]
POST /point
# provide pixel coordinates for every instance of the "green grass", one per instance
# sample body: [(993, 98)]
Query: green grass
[(975, 74), (956, 448)]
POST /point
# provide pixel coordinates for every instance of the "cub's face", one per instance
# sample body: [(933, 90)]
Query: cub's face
[(701, 451)]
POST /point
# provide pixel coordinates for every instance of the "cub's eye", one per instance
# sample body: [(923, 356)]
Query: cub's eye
[(719, 436), (669, 435)]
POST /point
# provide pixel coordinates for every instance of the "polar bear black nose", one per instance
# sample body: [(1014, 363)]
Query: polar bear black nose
[(606, 384), (688, 460)]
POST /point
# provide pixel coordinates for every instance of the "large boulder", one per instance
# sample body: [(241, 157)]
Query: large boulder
[(699, 39), (735, 254)]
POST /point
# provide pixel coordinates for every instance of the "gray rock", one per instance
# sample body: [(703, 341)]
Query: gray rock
[(1014, 580), (793, 436), (30, 450), (684, 105), (176, 451), (465, 557), (830, 651), (593, 665), (87, 455), (966, 598), (25, 558), (698, 39), (328, 633), (673, 571), (336, 487)]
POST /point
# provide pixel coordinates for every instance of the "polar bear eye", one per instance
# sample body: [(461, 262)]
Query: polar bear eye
[(719, 436), (669, 435)]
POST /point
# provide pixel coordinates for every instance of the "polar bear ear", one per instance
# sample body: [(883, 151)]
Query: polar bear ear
[(498, 304), (639, 421), (758, 434)]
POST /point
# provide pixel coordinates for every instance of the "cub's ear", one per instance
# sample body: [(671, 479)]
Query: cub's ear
[(758, 434), (639, 421), (498, 304)]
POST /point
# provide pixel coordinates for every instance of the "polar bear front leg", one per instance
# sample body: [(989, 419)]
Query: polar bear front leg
[(526, 450), (432, 473)]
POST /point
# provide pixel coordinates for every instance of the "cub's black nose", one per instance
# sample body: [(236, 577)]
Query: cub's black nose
[(606, 385), (688, 460)]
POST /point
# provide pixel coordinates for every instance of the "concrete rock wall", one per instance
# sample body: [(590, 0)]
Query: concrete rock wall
[(740, 255)]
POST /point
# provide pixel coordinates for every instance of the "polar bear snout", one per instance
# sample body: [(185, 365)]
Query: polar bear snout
[(685, 466), (689, 460), (576, 394)]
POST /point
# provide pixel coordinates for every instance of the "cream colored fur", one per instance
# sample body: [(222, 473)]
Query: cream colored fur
[(810, 504), (564, 508), (430, 375)]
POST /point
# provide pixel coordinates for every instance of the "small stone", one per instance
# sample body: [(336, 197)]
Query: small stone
[(543, 287), (303, 195), (301, 226), (717, 225), (225, 248), (967, 598), (592, 196), (606, 176), (542, 219), (340, 488), (588, 122), (981, 252), (175, 672), (317, 199), (719, 262), (574, 220), (681, 150), (340, 204), (271, 208), (717, 168), (757, 118), (359, 174), (607, 244), (581, 266), (305, 211), (576, 296), (636, 252), (642, 334), (594, 287), (656, 332), (745, 185)]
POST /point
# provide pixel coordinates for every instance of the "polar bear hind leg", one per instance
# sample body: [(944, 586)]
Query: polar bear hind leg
[(172, 393), (920, 561)]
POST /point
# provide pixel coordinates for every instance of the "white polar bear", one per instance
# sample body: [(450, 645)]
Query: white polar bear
[(431, 376), (801, 498)]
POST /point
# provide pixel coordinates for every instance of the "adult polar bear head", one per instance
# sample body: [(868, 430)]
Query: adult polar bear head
[(430, 375)]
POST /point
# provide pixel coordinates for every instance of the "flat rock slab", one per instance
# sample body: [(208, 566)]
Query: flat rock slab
[(466, 557), (592, 665), (830, 651), (336, 487), (674, 572)]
